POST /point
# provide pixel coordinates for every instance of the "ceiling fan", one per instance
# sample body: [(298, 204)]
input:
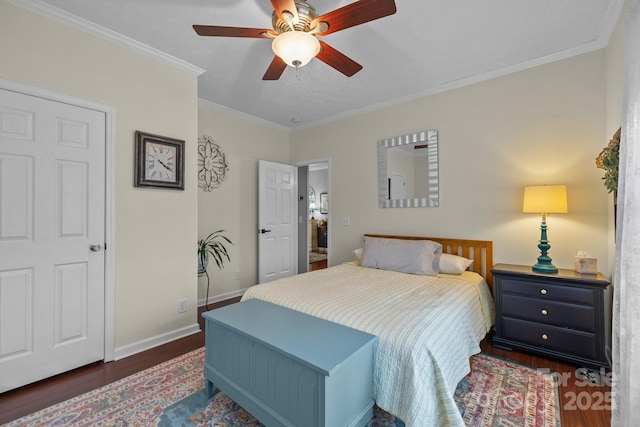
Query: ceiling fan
[(296, 26)]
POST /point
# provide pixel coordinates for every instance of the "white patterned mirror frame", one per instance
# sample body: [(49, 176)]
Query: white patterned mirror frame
[(428, 140)]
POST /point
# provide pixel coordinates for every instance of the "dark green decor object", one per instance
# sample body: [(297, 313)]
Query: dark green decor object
[(609, 159)]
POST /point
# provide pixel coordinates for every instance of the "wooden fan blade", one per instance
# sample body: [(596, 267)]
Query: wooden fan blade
[(355, 14), (285, 5), (276, 69), (337, 60), (216, 31)]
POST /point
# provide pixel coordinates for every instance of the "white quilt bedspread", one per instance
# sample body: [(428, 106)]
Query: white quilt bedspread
[(427, 328)]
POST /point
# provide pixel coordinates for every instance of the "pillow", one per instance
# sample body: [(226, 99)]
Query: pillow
[(358, 254), (453, 264), (405, 256)]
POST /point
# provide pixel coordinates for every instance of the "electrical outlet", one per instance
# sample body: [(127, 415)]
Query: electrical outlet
[(346, 221), (182, 306), (237, 274)]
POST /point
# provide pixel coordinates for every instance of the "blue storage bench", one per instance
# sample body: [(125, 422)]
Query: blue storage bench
[(288, 368)]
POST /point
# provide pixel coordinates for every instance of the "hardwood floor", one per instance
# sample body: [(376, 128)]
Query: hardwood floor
[(318, 265), (317, 260), (581, 405)]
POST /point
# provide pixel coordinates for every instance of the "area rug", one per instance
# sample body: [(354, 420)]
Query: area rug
[(496, 393), (316, 257)]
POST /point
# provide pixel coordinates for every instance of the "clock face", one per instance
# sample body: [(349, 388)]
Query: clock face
[(160, 162)]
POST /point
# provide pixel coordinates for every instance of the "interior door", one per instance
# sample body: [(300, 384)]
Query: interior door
[(277, 240), (398, 186), (52, 231)]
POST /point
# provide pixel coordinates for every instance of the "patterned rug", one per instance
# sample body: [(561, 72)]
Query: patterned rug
[(316, 257), (496, 393)]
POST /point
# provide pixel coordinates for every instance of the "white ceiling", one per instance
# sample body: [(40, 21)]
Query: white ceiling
[(428, 46)]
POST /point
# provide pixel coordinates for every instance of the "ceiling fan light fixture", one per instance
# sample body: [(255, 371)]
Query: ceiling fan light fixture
[(296, 48)]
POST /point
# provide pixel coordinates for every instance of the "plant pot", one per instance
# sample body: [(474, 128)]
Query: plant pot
[(202, 264)]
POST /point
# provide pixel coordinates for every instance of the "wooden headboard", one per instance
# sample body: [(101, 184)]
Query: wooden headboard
[(480, 251)]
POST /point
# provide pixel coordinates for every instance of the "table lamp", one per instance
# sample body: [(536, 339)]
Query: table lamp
[(543, 200)]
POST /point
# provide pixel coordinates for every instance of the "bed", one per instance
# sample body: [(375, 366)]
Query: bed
[(427, 326)]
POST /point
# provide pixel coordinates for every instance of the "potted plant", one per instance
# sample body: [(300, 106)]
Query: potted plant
[(214, 245), (608, 159)]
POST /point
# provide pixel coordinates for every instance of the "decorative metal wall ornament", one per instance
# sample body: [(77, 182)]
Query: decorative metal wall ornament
[(212, 164)]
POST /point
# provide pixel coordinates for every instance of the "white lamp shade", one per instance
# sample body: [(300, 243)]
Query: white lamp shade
[(296, 48), (545, 199)]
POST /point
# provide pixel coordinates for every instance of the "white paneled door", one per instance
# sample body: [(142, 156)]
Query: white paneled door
[(277, 242), (52, 222)]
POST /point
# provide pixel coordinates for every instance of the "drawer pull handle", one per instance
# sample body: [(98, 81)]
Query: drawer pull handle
[(545, 337), (543, 291), (544, 312)]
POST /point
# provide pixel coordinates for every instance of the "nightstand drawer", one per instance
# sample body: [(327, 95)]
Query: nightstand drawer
[(550, 312), (547, 291), (550, 337)]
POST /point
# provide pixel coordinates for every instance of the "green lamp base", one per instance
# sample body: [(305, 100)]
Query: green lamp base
[(545, 268), (544, 261)]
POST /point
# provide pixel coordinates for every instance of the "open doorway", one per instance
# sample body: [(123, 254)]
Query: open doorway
[(318, 230), (316, 204)]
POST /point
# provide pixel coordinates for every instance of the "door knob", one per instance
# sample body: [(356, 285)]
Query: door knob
[(95, 247), (264, 230)]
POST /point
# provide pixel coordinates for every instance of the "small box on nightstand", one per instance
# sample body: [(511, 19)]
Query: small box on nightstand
[(585, 265)]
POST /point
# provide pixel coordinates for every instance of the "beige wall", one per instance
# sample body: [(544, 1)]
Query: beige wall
[(615, 75), (234, 205), (615, 91), (544, 125), (156, 230)]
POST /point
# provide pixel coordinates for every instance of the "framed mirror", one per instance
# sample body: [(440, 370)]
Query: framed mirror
[(408, 170)]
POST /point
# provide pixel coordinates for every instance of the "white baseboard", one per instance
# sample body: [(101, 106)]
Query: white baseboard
[(221, 297), (149, 343)]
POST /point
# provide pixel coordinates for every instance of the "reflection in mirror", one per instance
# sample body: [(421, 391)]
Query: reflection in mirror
[(408, 170)]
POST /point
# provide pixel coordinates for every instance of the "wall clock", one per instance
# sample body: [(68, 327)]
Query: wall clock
[(212, 164), (159, 161)]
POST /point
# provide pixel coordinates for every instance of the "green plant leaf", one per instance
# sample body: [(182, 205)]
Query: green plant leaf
[(214, 245)]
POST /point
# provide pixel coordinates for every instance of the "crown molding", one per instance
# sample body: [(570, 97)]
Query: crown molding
[(611, 20), (456, 84), (212, 105), (106, 34)]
